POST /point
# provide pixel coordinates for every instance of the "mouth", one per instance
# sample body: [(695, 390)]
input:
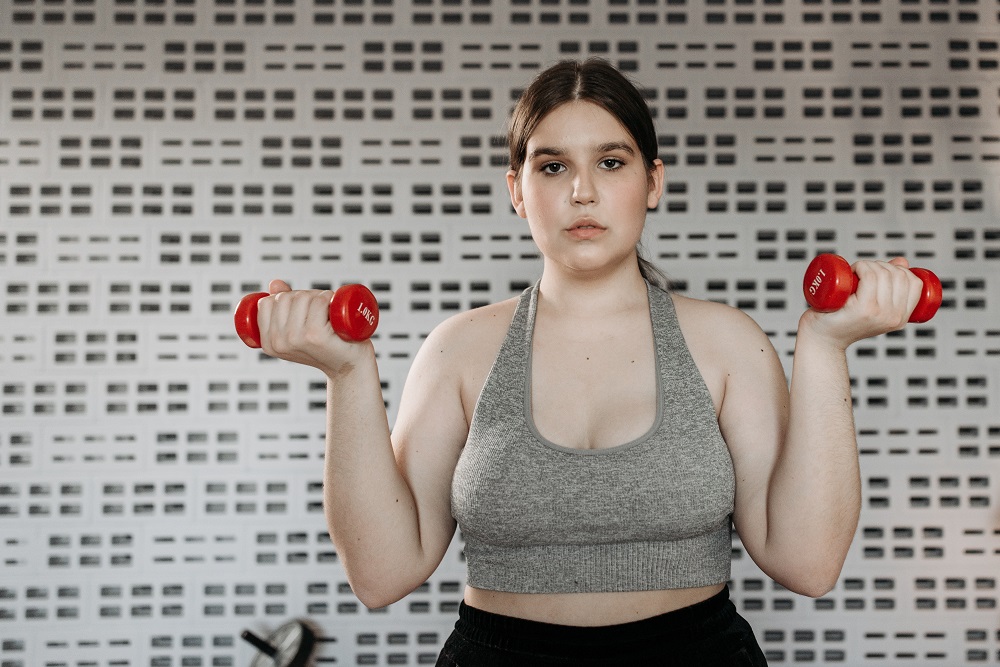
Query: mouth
[(586, 224), (585, 230)]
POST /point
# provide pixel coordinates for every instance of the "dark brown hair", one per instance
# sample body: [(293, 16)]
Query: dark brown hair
[(596, 81)]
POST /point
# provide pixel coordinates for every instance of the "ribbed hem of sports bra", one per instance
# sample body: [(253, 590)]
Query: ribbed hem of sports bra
[(529, 418), (573, 568)]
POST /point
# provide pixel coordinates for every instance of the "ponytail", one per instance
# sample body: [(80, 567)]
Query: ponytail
[(650, 272)]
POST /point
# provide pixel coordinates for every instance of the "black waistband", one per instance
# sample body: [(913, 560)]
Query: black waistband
[(706, 616)]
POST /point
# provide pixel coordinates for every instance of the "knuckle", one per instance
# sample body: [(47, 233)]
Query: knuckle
[(277, 347), (310, 334)]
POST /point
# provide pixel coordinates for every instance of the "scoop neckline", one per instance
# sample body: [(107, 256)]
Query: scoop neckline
[(601, 451)]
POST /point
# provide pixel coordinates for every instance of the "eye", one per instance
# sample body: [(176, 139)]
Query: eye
[(611, 163), (552, 168)]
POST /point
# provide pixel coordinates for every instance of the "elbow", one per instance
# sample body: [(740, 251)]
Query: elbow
[(381, 588), (812, 580), (374, 596), (813, 583), (814, 588), (374, 599), (809, 573)]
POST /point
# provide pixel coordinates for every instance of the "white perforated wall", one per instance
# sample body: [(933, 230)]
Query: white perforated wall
[(160, 484)]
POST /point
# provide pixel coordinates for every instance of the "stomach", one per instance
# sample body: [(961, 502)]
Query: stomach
[(588, 609)]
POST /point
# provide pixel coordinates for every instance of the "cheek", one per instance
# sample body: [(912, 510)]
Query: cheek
[(539, 199), (540, 188), (640, 195)]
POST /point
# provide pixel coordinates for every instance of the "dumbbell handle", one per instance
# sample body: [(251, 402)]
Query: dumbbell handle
[(829, 281), (353, 315)]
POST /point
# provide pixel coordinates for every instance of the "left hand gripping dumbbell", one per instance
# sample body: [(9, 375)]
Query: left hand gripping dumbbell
[(829, 281), (353, 315)]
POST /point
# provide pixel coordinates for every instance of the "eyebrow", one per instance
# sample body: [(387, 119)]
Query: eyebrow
[(555, 151)]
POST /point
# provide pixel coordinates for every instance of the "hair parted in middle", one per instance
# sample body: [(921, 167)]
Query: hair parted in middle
[(594, 80)]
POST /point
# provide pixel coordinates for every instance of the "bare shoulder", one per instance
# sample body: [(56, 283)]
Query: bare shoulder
[(464, 347), (725, 343), (716, 326), (473, 333)]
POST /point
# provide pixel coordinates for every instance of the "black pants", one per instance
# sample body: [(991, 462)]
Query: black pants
[(707, 634)]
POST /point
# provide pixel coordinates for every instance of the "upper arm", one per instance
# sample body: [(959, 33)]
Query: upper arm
[(753, 419), (428, 435), (432, 422)]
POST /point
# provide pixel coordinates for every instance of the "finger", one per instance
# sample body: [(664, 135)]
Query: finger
[(913, 287), (875, 283), (318, 317), (298, 316), (900, 261), (916, 291), (870, 274), (265, 321), (894, 295), (278, 285), (893, 290), (272, 314), (905, 285)]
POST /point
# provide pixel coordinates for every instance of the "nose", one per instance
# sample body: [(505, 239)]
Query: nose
[(584, 191)]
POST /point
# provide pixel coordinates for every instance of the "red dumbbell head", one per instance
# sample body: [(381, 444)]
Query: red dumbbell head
[(245, 319), (828, 282), (930, 296), (354, 313)]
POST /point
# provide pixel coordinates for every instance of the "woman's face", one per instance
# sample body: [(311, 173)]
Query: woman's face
[(584, 189)]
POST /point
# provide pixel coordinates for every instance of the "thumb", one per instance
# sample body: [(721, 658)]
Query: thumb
[(900, 261), (276, 286)]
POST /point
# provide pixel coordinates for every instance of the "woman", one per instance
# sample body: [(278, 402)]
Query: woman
[(594, 437)]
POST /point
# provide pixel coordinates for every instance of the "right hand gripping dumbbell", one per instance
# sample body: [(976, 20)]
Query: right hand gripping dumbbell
[(353, 315), (829, 281)]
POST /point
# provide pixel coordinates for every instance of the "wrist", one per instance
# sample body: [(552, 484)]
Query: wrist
[(812, 333), (350, 361)]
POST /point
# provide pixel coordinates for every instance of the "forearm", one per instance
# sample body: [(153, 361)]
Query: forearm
[(370, 510), (815, 490)]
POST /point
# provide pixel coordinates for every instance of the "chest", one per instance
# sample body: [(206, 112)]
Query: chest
[(594, 387), (543, 462)]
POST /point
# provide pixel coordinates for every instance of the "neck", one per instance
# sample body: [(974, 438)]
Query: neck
[(581, 294)]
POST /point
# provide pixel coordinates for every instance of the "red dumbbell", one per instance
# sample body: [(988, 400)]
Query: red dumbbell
[(829, 281), (353, 315)]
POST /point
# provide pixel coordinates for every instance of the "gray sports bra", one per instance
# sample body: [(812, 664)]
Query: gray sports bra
[(651, 514)]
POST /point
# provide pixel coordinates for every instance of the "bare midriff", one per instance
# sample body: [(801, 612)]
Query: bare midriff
[(588, 609)]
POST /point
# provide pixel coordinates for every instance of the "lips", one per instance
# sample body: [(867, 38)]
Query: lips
[(586, 229)]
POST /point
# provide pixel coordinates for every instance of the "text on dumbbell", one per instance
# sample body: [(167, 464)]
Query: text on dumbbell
[(817, 281), (366, 313)]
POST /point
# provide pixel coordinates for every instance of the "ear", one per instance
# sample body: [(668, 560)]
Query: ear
[(656, 176), (514, 187)]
